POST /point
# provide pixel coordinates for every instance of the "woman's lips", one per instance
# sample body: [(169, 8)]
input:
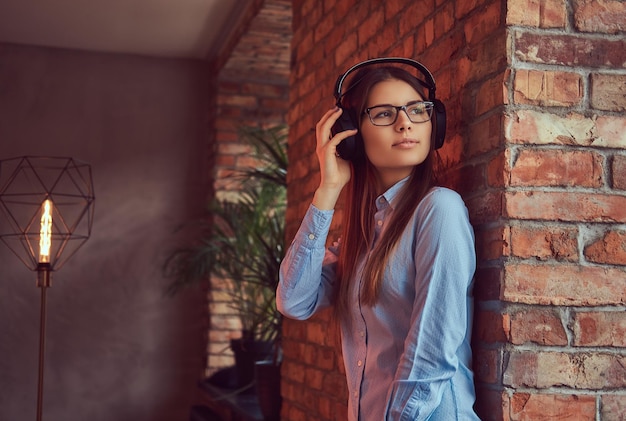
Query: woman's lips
[(406, 143)]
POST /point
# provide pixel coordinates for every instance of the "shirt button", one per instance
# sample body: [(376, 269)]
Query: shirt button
[(356, 394), (359, 363), (311, 236), (379, 222)]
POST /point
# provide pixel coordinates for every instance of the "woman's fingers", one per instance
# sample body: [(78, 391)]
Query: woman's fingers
[(323, 126), (325, 139)]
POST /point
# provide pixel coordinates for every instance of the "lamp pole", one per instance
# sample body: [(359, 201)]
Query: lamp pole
[(43, 282)]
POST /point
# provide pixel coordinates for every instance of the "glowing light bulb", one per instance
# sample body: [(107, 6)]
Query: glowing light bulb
[(45, 232)]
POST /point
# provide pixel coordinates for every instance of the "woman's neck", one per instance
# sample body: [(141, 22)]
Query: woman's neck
[(385, 179)]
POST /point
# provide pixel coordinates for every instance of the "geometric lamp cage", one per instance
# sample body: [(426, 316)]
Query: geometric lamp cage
[(46, 208)]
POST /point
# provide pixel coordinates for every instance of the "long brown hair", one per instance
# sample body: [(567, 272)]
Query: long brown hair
[(361, 195)]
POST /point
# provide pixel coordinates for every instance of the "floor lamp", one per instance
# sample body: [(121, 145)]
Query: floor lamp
[(46, 209)]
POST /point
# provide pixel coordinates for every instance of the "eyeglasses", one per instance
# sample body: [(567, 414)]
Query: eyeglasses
[(386, 115)]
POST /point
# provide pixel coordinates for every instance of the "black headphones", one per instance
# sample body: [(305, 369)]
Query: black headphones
[(348, 148)]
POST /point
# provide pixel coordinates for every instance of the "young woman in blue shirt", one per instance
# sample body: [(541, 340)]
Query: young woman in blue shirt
[(400, 278)]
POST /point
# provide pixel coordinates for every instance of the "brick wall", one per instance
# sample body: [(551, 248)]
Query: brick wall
[(535, 92), (251, 89)]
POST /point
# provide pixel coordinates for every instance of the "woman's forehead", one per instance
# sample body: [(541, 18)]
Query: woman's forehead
[(392, 91)]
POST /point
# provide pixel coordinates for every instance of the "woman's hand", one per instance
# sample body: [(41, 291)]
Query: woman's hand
[(334, 171)]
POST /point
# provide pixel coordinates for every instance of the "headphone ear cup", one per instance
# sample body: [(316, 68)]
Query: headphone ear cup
[(440, 123), (347, 149)]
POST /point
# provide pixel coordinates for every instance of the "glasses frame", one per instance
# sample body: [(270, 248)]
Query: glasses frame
[(430, 106)]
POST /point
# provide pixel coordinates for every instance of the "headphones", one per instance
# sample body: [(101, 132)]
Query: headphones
[(349, 148)]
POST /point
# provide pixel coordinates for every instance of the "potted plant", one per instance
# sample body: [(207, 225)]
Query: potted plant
[(241, 242)]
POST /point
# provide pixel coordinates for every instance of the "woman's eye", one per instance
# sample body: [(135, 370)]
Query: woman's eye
[(417, 109), (383, 114)]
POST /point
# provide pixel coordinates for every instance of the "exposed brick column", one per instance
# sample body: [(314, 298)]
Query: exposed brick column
[(561, 266)]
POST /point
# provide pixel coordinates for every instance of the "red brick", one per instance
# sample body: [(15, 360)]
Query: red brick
[(486, 365), (600, 328), (543, 327), (242, 101), (486, 207), (613, 407), (537, 13), (317, 333), (313, 378), (323, 27), (618, 171), (292, 371), (392, 8), (544, 242), (481, 25), (528, 126), (548, 407), (488, 283), (557, 168), (565, 206), (492, 405), (610, 249), (570, 50), (542, 128), (493, 243), (584, 370), (498, 170), (444, 20), (490, 96), (489, 57), (466, 180), (466, 6), (344, 53), (327, 358), (371, 26), (608, 92), (484, 135), (547, 88), (563, 284), (491, 326), (603, 16)]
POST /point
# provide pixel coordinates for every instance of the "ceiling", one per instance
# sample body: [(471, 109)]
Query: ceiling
[(159, 28)]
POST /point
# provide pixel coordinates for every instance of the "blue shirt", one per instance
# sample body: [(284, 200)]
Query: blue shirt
[(408, 357)]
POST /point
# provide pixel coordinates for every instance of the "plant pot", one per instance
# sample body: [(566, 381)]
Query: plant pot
[(247, 353), (268, 389)]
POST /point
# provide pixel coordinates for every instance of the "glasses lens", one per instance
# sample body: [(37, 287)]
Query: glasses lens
[(419, 112), (383, 115)]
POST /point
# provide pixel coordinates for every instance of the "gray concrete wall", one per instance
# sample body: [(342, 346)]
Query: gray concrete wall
[(117, 348)]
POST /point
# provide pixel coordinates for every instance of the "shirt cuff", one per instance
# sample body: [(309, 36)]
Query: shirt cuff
[(315, 227)]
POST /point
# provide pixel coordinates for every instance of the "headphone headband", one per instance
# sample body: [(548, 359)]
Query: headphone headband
[(429, 83)]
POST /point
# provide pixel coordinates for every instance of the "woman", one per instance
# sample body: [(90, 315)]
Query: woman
[(400, 279)]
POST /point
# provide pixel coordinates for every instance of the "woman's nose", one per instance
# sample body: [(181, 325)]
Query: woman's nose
[(403, 122)]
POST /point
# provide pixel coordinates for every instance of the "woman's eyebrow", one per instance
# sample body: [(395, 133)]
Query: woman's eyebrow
[(391, 105)]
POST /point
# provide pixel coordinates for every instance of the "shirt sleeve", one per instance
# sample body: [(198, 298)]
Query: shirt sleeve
[(307, 272), (445, 262)]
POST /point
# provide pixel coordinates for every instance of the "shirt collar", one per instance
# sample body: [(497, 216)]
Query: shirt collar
[(391, 196)]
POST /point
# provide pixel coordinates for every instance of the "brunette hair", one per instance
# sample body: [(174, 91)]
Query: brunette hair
[(361, 195)]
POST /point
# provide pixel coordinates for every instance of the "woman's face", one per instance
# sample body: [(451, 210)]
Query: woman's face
[(394, 150)]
